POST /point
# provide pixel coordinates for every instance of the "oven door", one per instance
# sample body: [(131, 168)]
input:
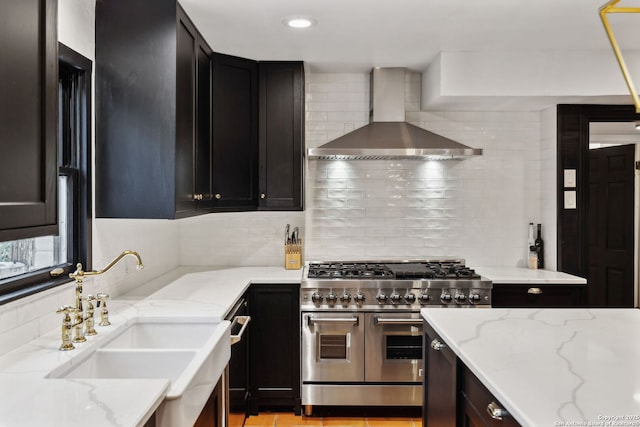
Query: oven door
[(394, 347), (332, 347)]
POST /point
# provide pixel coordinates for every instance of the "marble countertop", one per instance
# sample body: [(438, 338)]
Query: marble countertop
[(515, 275), (551, 367), (193, 292)]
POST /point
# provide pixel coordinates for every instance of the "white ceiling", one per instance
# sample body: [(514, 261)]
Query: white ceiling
[(356, 35)]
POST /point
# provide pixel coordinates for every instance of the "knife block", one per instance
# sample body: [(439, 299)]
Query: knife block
[(293, 256)]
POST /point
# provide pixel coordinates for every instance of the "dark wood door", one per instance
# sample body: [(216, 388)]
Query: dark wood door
[(439, 384), (281, 135), (235, 135), (274, 347), (611, 227), (28, 117)]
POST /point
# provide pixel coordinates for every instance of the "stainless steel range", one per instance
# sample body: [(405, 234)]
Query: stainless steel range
[(362, 330)]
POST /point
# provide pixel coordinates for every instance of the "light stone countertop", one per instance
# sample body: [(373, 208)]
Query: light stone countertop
[(551, 367), (515, 275), (28, 398)]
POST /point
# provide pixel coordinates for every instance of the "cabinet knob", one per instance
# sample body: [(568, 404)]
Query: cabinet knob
[(198, 197), (218, 196), (263, 196), (437, 345), (534, 291), (495, 411)]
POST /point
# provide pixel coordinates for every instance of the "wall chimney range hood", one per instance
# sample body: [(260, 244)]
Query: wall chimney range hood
[(388, 136)]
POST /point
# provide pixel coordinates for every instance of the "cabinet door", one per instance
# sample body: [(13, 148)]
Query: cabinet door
[(235, 138), (533, 296), (478, 407), (274, 346), (439, 383), (281, 135), (28, 118), (203, 125), (186, 62)]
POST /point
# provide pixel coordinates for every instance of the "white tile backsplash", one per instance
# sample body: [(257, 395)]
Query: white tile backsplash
[(477, 209)]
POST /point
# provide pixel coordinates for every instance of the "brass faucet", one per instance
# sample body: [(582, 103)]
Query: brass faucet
[(84, 320)]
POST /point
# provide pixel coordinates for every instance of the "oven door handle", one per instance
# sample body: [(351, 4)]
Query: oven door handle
[(242, 320), (396, 321), (351, 320)]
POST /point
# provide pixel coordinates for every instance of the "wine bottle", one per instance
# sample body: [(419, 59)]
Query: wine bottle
[(531, 249), (539, 246)]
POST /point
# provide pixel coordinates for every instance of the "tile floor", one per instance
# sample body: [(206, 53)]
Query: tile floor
[(284, 419)]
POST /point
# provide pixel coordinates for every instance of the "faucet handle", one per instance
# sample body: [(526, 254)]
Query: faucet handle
[(104, 312), (88, 318), (67, 324)]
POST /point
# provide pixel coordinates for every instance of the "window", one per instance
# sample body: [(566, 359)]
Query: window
[(26, 265)]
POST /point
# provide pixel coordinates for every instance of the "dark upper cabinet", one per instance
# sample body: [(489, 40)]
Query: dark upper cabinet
[(28, 118), (153, 90), (281, 135), (235, 133), (505, 295)]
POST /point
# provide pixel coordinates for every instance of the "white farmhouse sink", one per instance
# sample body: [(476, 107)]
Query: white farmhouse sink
[(191, 355), (162, 335), (169, 364)]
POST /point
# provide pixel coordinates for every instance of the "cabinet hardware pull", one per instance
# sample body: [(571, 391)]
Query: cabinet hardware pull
[(495, 411), (240, 320), (198, 197), (534, 291), (218, 196), (437, 345), (263, 196)]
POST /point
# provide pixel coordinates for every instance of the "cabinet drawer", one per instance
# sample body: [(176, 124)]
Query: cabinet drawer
[(549, 295), (476, 404)]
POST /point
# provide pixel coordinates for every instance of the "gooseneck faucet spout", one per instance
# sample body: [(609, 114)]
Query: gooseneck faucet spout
[(79, 273), (81, 318)]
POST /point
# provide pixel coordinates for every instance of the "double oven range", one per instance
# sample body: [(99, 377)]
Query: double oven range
[(362, 329)]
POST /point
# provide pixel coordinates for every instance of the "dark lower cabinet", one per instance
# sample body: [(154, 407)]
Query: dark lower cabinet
[(28, 118), (538, 296), (281, 135), (274, 347), (439, 388), (453, 395), (477, 406)]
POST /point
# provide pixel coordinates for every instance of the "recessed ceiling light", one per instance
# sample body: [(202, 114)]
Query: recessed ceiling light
[(300, 22)]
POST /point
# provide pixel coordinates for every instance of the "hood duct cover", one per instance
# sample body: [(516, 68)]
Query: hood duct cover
[(388, 136)]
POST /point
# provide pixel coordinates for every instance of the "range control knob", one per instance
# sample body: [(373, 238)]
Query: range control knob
[(395, 298), (424, 299), (474, 298), (460, 298), (359, 298), (446, 298), (409, 298), (331, 298), (345, 298), (316, 298), (381, 298)]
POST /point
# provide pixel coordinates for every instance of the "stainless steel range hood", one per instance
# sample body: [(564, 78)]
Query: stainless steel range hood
[(388, 136)]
